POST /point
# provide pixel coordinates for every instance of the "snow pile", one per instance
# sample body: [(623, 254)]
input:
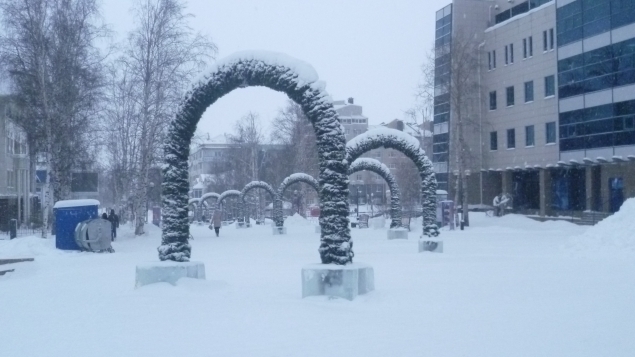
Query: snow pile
[(27, 247), (297, 220), (614, 233)]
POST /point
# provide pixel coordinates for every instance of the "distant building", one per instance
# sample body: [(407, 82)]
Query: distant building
[(15, 178)]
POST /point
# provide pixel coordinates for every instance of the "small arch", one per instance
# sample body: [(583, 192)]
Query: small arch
[(373, 165), (278, 214), (209, 195), (251, 186), (300, 82), (226, 194), (409, 146)]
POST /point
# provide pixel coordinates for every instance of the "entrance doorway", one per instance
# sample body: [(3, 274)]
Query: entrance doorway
[(616, 193)]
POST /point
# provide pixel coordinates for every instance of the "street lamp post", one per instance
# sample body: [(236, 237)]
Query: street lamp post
[(358, 193)]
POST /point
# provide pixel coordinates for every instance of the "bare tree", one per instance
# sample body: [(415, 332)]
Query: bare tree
[(245, 154), (162, 55), (455, 70), (48, 48)]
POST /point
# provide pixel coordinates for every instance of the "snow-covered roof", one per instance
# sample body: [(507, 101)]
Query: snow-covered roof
[(199, 186), (352, 117), (512, 19), (76, 203)]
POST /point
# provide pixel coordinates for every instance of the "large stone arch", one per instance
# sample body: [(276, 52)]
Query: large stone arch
[(251, 186), (409, 146), (278, 214), (373, 165), (300, 82)]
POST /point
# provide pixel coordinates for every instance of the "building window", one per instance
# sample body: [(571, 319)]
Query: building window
[(358, 177), (494, 59), (378, 154), (524, 48), (511, 138), (9, 178), (529, 136), (551, 39), (510, 96), (550, 86), (531, 46), (506, 55), (545, 45), (529, 91), (489, 61), (392, 165), (551, 132), (511, 53), (391, 153), (493, 140), (492, 100)]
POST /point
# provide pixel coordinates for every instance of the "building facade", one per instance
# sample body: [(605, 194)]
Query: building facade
[(16, 180), (557, 83)]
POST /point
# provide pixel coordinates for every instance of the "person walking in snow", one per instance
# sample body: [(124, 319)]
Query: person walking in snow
[(114, 224), (215, 222), (496, 203)]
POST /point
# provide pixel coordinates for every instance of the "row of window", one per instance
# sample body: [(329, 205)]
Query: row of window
[(606, 67), (528, 49), (601, 126), (585, 18), (549, 83), (530, 137), (353, 121), (519, 9), (15, 147)]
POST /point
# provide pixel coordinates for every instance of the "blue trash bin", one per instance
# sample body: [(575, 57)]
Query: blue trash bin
[(68, 214)]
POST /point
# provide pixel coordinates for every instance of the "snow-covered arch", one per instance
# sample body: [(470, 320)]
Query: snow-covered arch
[(368, 164), (409, 146), (193, 201), (251, 186), (207, 196), (278, 214), (300, 82), (226, 194)]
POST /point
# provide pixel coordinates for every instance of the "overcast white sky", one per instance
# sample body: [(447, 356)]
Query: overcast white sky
[(370, 50)]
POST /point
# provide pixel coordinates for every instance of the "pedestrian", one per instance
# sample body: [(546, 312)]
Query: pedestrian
[(496, 203), (104, 216), (215, 222), (114, 224)]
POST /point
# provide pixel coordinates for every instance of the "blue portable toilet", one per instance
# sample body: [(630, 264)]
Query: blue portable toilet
[(68, 214)]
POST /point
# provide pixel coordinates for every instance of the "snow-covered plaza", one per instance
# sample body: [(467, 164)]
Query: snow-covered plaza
[(508, 286)]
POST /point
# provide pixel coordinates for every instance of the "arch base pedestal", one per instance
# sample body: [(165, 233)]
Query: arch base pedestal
[(343, 281)]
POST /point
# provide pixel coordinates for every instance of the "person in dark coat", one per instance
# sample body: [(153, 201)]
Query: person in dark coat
[(104, 216), (114, 223), (216, 221)]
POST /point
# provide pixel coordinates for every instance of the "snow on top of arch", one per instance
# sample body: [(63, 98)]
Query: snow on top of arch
[(209, 194), (230, 192), (306, 74), (386, 132), (300, 175), (369, 161)]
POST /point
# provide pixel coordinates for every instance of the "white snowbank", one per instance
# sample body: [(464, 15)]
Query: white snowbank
[(27, 247), (614, 233), (75, 203), (297, 220)]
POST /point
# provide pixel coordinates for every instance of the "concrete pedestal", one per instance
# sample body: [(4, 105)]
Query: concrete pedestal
[(378, 223), (318, 229), (430, 245), (168, 272), (279, 230), (397, 233), (344, 281)]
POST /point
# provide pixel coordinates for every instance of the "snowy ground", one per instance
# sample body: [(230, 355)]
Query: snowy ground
[(506, 287)]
